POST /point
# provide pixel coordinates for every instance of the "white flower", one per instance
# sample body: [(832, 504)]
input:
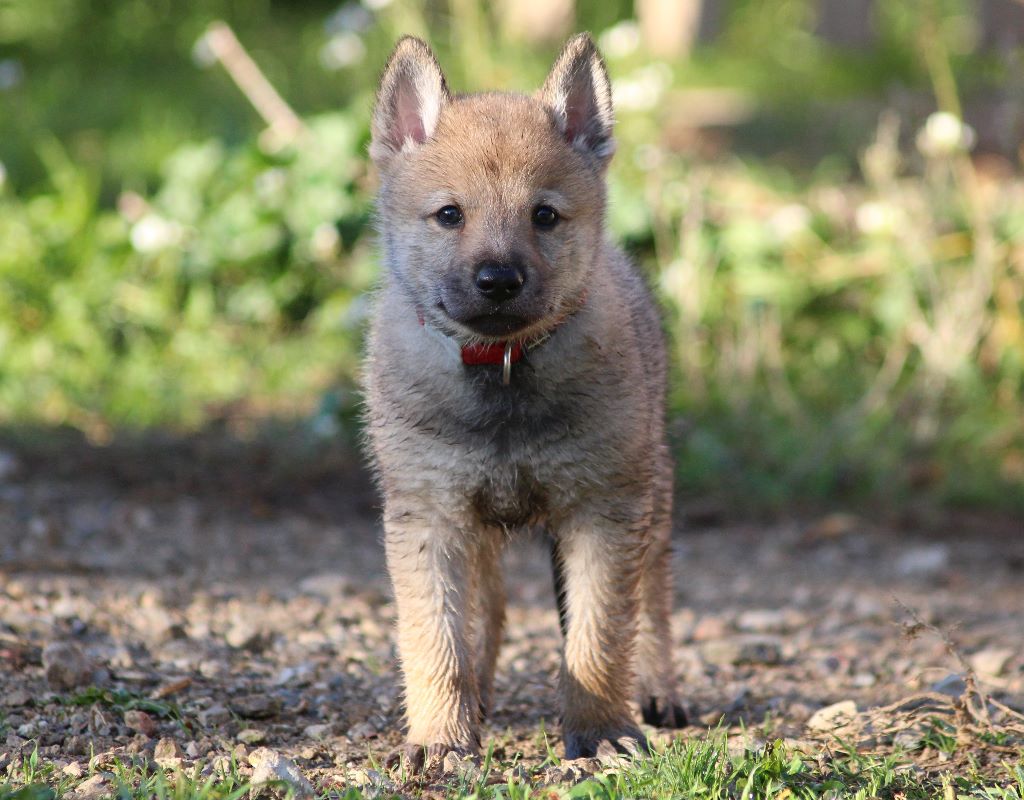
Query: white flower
[(350, 17), (877, 218), (944, 134), (642, 90), (271, 184), (620, 40), (203, 54), (789, 221), (153, 233), (342, 50)]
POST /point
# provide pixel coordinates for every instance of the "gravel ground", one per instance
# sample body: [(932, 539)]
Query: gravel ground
[(188, 601)]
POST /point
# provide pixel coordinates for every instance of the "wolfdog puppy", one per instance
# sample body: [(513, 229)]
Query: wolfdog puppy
[(516, 377)]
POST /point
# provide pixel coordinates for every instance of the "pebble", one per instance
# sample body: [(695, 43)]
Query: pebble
[(167, 753), (708, 628), (256, 706), (742, 650), (93, 788), (269, 766), (766, 620), (140, 721), (73, 769), (834, 716), (317, 731), (214, 715), (361, 731), (251, 736), (991, 663), (923, 561), (952, 685), (66, 666), (454, 764), (16, 698)]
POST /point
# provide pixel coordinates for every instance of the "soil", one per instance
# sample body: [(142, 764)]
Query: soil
[(192, 599)]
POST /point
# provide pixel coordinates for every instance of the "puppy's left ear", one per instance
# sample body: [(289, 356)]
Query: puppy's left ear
[(578, 91)]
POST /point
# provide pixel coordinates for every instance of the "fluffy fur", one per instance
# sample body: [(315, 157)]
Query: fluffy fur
[(576, 442)]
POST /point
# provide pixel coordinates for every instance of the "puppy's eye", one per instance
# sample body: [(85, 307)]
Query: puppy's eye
[(449, 216), (545, 217)]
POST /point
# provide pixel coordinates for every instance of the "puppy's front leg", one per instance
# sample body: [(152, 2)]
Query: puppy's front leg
[(430, 561), (601, 554)]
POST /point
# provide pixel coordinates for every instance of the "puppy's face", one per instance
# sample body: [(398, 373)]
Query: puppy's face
[(492, 205)]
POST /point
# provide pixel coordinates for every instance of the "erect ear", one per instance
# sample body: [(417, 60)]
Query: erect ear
[(409, 100), (578, 91)]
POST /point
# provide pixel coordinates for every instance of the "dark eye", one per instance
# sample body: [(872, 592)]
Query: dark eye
[(450, 216), (545, 217)]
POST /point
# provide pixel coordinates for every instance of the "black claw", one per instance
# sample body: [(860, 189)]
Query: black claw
[(650, 712), (673, 716)]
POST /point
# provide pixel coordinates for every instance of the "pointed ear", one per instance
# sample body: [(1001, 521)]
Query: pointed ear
[(409, 100), (578, 91)]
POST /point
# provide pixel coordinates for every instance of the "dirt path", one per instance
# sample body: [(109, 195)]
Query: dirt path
[(248, 596)]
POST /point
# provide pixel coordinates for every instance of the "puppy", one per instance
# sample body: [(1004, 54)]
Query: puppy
[(515, 377)]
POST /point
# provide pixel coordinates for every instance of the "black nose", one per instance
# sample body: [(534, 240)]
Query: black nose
[(499, 282)]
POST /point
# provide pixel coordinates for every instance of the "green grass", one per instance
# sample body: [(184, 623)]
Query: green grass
[(694, 768)]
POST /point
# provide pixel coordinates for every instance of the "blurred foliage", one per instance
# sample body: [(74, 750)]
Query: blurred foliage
[(843, 291)]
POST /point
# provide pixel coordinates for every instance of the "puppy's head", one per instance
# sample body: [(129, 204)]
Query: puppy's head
[(491, 205)]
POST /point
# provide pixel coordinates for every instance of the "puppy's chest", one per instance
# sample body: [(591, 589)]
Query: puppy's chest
[(509, 495)]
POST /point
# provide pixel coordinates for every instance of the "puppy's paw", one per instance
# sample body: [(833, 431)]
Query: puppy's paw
[(663, 711), (608, 746), (418, 759)]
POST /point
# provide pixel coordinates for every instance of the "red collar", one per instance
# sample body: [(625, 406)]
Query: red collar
[(474, 355)]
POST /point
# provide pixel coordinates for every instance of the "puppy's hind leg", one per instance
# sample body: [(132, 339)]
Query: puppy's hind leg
[(655, 672), (490, 594)]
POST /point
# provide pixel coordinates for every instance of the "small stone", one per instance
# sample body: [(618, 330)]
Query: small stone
[(952, 685), (30, 730), (991, 663), (925, 561), (214, 715), (251, 736), (193, 750), (93, 788), (462, 765), (66, 665), (834, 716), (270, 767), (742, 650), (317, 731), (140, 721), (73, 769), (361, 731), (766, 620), (77, 745), (243, 635), (708, 628), (516, 774), (167, 753), (256, 706), (16, 698)]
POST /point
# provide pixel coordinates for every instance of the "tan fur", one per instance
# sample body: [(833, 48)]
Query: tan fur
[(576, 442)]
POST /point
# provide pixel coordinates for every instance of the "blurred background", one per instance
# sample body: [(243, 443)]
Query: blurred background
[(827, 195)]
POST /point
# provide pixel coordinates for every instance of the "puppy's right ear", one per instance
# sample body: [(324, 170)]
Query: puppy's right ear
[(409, 101)]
